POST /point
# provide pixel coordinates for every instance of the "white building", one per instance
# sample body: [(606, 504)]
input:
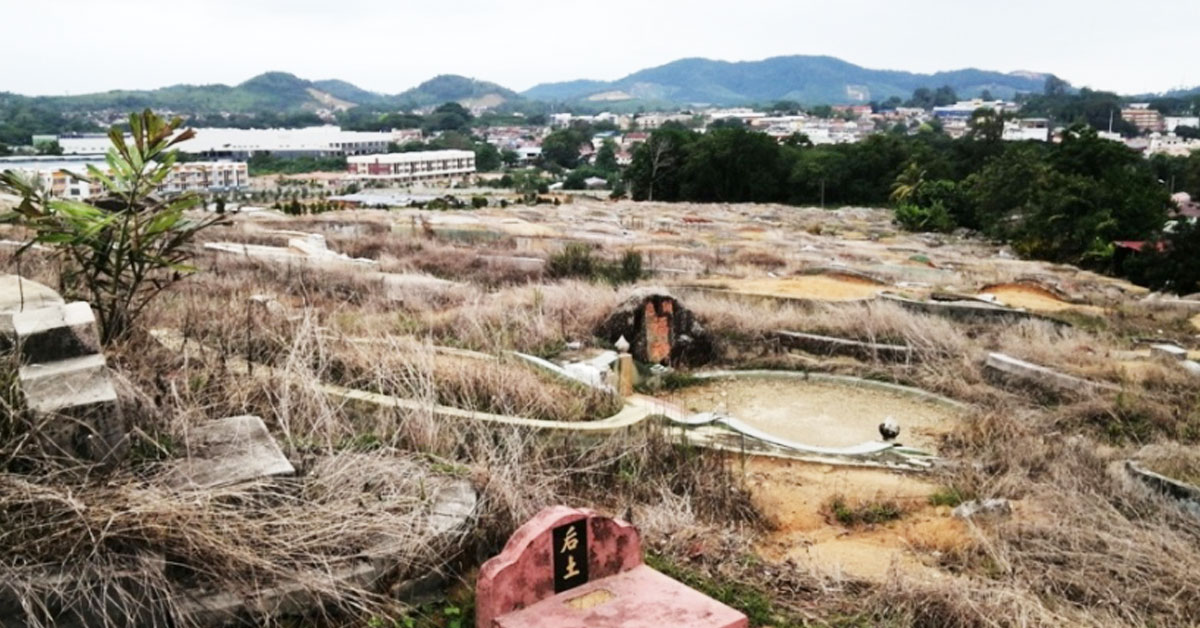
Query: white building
[(317, 141), (1172, 122), (430, 165), (964, 108), (1172, 145), (1027, 129)]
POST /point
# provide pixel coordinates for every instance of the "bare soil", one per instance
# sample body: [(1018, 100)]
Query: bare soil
[(1034, 298), (795, 496), (815, 287)]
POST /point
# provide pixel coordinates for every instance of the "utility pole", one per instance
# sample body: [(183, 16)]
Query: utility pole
[(822, 193)]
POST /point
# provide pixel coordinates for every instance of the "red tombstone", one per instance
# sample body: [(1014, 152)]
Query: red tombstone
[(572, 568)]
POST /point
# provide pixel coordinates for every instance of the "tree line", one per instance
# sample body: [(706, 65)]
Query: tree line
[(1065, 202)]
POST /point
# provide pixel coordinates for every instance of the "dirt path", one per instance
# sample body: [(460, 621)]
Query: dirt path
[(795, 497)]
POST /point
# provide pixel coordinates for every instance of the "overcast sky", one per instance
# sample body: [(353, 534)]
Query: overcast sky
[(79, 46)]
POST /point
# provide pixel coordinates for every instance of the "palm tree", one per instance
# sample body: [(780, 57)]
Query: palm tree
[(907, 183)]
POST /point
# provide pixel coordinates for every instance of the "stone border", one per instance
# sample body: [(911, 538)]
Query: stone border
[(832, 345), (1043, 376), (1187, 494), (963, 310)]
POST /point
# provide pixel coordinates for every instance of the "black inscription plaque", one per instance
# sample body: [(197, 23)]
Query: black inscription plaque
[(570, 555)]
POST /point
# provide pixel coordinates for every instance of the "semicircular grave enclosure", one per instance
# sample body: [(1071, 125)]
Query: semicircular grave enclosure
[(823, 410)]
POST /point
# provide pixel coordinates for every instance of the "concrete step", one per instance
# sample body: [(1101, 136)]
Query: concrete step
[(64, 384), (50, 334)]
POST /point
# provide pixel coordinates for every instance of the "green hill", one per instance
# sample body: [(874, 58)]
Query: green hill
[(807, 79)]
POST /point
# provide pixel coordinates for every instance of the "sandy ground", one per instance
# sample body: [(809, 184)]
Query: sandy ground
[(1196, 321), (795, 497), (818, 413), (816, 287)]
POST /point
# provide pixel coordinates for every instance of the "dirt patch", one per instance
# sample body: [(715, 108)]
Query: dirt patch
[(815, 287), (1195, 320), (1033, 298), (820, 413), (794, 496)]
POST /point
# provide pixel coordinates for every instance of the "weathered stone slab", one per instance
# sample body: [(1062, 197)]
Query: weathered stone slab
[(1042, 376), (228, 451), (48, 334), (453, 508), (829, 345), (18, 293), (56, 386)]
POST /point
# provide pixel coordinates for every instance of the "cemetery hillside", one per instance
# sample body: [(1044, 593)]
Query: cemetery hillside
[(419, 371)]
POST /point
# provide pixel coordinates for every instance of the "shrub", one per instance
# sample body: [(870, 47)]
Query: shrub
[(575, 260), (123, 249), (933, 218)]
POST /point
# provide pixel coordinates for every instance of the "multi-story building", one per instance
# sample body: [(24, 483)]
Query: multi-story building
[(1143, 117), (207, 176), (59, 176), (430, 165)]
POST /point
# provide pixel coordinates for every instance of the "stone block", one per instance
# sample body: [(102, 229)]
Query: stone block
[(572, 568), (228, 451), (1042, 376), (49, 334), (56, 386), (74, 409)]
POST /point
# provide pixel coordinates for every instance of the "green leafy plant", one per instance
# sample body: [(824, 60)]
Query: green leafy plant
[(122, 249)]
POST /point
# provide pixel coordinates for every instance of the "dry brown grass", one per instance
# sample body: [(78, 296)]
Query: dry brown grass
[(1083, 547)]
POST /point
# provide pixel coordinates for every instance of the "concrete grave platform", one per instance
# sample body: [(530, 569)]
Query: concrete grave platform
[(228, 451), (572, 568)]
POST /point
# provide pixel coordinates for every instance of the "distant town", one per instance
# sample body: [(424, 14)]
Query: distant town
[(221, 160)]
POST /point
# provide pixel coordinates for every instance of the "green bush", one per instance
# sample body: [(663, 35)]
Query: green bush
[(933, 218), (576, 261)]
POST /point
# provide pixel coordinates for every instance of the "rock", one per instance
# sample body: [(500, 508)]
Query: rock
[(659, 328), (228, 451), (991, 508)]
